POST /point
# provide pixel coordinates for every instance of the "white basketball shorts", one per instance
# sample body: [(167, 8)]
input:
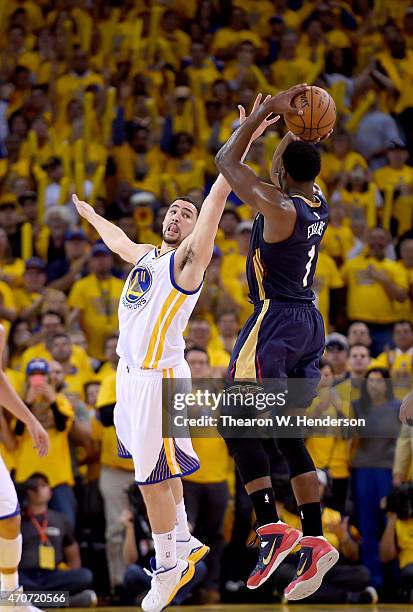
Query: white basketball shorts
[(9, 505), (138, 423)]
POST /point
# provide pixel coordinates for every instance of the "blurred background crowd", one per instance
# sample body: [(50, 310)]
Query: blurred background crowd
[(126, 104)]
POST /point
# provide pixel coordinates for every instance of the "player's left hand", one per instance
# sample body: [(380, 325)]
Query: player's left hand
[(39, 436), (267, 121), (406, 409)]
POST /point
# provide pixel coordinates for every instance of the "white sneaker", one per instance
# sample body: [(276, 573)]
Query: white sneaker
[(192, 550), (165, 584)]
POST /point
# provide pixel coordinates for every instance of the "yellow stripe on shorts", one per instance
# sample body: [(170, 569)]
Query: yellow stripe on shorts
[(168, 443), (245, 368)]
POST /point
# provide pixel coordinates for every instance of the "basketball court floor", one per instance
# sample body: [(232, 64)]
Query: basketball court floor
[(274, 608)]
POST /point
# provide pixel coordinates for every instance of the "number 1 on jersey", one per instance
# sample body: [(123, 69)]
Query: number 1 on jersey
[(310, 254)]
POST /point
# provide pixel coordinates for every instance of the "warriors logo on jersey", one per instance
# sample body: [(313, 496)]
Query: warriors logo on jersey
[(139, 283)]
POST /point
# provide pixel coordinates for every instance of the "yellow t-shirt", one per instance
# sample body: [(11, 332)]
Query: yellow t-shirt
[(79, 358), (106, 370), (226, 37), (404, 309), (15, 270), (404, 537), (98, 303), (400, 366), (141, 171), (367, 300), (201, 79), (328, 516), (286, 73), (234, 267), (332, 165), (390, 177), (70, 84), (327, 277), (367, 200), (214, 458), (331, 452), (107, 435), (8, 301), (338, 241), (57, 466)]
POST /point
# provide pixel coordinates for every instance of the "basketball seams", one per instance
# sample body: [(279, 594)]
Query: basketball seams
[(326, 110), (302, 125), (311, 112)]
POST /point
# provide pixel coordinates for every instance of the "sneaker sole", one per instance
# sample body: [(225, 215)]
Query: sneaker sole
[(184, 580), (198, 554), (310, 586), (278, 562)]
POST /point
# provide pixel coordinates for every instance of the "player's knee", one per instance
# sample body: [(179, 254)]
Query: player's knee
[(10, 527), (296, 455), (251, 459), (152, 491)]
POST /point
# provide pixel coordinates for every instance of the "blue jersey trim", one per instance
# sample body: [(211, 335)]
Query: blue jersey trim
[(181, 475), (15, 513), (175, 284)]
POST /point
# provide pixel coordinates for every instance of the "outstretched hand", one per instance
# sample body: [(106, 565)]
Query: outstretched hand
[(83, 208), (266, 122)]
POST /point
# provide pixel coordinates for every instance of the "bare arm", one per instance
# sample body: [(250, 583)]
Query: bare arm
[(277, 161), (130, 551), (393, 290), (111, 234), (198, 246), (387, 546), (72, 555), (261, 196), (14, 404)]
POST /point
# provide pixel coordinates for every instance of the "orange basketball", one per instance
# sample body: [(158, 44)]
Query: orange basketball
[(319, 114)]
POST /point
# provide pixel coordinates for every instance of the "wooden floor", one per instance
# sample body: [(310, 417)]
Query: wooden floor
[(274, 608)]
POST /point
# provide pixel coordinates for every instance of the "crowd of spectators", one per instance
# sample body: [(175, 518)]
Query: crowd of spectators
[(126, 103)]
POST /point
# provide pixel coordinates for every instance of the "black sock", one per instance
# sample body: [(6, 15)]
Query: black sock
[(264, 506), (310, 515)]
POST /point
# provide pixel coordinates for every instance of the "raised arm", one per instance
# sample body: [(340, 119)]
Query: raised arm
[(261, 196), (194, 254), (111, 234)]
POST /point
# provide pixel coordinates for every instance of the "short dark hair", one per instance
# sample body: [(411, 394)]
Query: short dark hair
[(302, 161), (365, 400), (359, 345), (54, 313), (198, 349), (403, 322), (324, 363), (190, 201), (61, 335)]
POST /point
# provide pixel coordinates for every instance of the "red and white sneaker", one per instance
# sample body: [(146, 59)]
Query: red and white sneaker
[(317, 556), (277, 540)]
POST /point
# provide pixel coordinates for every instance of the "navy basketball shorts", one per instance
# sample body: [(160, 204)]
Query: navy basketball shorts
[(279, 348)]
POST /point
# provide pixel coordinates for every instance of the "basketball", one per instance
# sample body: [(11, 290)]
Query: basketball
[(319, 114)]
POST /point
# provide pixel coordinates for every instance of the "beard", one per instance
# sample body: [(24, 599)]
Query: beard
[(171, 240)]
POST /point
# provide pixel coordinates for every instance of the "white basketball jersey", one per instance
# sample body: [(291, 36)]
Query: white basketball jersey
[(153, 314)]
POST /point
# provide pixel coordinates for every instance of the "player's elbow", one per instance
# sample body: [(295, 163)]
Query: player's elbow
[(222, 160)]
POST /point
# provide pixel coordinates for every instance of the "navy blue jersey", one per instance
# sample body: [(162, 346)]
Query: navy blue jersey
[(284, 270)]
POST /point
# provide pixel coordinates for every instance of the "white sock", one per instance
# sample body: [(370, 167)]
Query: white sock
[(9, 582), (182, 532), (165, 549)]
